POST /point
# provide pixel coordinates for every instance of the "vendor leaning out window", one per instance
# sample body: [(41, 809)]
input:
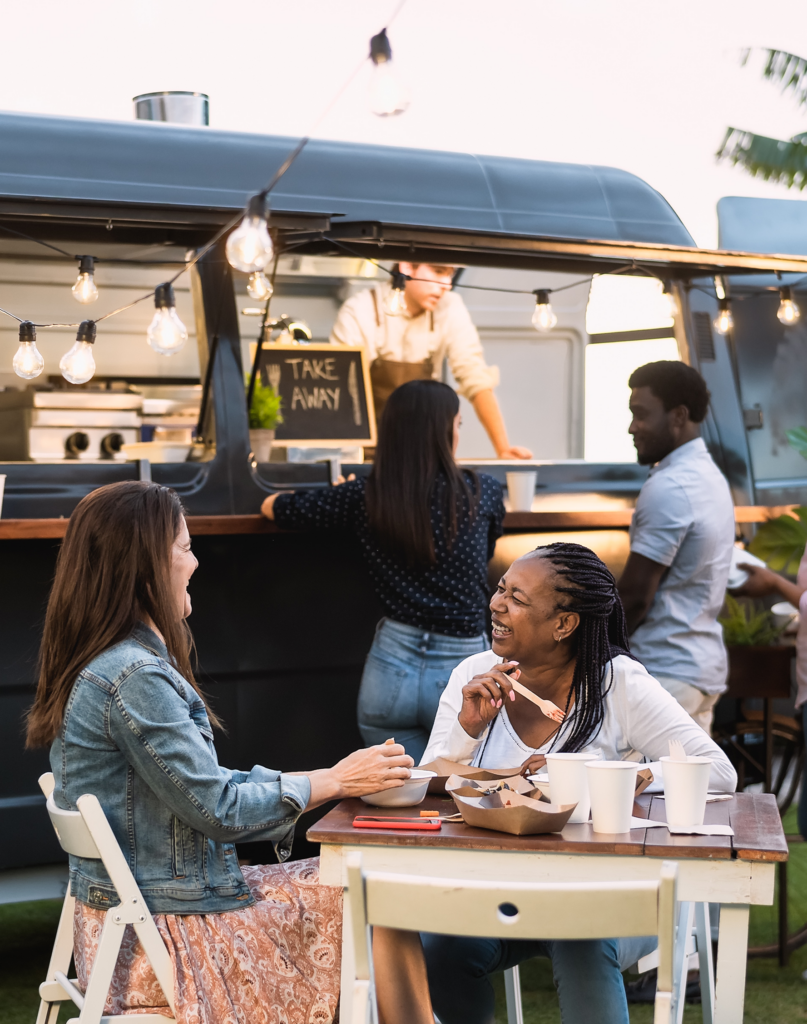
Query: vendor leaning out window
[(430, 326)]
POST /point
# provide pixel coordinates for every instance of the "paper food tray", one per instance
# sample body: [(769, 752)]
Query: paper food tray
[(445, 768), (511, 805)]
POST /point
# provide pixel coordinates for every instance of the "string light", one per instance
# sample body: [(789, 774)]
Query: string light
[(249, 247), (259, 286), (669, 297), (543, 318), (28, 362), (724, 321), (166, 334), (78, 365), (84, 290), (788, 312), (395, 300), (387, 95)]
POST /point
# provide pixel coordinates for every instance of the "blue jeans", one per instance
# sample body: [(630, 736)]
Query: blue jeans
[(803, 798), (404, 677), (587, 975)]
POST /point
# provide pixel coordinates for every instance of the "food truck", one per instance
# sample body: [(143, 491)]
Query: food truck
[(283, 621)]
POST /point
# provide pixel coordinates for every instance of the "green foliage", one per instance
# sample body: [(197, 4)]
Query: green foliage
[(780, 542), (797, 439), (265, 411), (746, 627)]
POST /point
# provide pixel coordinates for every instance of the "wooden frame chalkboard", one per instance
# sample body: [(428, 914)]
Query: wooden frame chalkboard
[(326, 392)]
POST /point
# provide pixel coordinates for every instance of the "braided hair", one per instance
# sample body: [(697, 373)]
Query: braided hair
[(585, 585)]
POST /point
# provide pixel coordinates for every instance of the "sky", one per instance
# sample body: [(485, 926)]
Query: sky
[(644, 85)]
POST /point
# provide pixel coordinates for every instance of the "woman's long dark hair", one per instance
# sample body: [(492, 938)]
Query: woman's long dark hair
[(114, 568), (585, 585), (414, 455)]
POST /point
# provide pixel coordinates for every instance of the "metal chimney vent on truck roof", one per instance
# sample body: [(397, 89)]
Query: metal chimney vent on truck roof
[(175, 107)]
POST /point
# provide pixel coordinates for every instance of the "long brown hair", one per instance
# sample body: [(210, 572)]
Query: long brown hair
[(414, 456), (113, 570)]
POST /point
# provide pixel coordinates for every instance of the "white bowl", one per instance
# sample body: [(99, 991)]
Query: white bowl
[(412, 792), (783, 614), (540, 781)]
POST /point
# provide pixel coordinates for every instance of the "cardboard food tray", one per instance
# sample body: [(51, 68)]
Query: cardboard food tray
[(445, 769), (507, 805)]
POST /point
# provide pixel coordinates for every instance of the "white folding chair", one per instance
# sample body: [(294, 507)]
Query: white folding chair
[(86, 833), (523, 910)]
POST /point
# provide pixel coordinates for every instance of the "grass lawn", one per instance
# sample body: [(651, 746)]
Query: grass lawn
[(772, 993)]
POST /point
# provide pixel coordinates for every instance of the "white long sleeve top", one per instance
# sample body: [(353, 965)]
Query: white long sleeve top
[(447, 333), (640, 720)]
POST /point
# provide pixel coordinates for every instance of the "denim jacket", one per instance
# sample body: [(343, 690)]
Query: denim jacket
[(137, 735)]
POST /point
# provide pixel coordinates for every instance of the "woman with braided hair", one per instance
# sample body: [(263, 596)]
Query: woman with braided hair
[(559, 628)]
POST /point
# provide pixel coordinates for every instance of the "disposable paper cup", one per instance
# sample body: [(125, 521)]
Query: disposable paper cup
[(686, 784), (612, 785), (2, 488), (568, 782), (521, 489)]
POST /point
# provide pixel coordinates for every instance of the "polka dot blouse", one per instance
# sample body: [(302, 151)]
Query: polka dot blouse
[(450, 597)]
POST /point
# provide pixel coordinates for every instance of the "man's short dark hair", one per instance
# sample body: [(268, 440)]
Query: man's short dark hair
[(674, 383)]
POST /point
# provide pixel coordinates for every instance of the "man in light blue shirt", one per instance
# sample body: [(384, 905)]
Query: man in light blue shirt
[(681, 540)]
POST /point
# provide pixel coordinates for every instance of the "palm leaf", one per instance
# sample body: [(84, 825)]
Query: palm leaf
[(780, 542), (771, 159), (789, 70), (797, 438)]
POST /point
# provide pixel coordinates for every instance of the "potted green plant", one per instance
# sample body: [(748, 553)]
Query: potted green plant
[(264, 415), (758, 664)]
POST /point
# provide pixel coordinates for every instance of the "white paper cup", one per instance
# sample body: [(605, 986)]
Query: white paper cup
[(612, 785), (686, 784), (521, 489), (568, 782), (2, 488)]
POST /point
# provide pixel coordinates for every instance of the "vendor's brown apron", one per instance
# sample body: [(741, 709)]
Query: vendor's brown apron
[(386, 374)]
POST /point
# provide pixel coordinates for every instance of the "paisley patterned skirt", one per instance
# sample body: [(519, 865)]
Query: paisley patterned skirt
[(276, 962)]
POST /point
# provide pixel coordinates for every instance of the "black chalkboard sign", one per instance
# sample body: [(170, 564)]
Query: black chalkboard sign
[(325, 390)]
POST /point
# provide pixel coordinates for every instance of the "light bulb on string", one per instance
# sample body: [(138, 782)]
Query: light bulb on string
[(395, 299), (543, 317), (28, 362), (788, 312), (166, 334), (78, 365), (84, 290), (249, 247), (724, 321), (669, 298), (387, 96), (259, 286)]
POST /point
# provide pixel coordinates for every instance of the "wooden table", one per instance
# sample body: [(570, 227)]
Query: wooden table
[(735, 872)]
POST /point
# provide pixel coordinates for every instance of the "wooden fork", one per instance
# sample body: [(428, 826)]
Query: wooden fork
[(549, 709)]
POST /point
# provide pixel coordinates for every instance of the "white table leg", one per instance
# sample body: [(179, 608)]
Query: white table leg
[(681, 959), (348, 976), (703, 931), (732, 954)]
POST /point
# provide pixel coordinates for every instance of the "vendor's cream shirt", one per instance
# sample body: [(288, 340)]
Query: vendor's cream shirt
[(447, 333)]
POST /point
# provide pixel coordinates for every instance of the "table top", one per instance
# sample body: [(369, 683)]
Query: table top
[(758, 834)]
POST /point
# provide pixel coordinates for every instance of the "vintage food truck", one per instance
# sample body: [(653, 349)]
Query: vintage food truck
[(283, 621)]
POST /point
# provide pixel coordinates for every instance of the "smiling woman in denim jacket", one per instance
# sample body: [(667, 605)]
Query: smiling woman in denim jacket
[(118, 704), (427, 530)]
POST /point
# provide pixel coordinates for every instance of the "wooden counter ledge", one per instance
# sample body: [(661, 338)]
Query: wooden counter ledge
[(614, 519)]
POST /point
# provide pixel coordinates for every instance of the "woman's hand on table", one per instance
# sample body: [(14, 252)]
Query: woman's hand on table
[(371, 770), (268, 505), (484, 695), (533, 764)]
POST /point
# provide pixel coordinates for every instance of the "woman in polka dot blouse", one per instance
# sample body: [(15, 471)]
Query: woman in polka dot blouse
[(427, 531)]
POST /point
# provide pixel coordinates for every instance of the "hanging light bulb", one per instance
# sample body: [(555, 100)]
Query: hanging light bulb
[(724, 321), (166, 334), (249, 247), (28, 362), (543, 319), (259, 286), (788, 312), (669, 298), (387, 95), (78, 365), (84, 290), (395, 300)]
